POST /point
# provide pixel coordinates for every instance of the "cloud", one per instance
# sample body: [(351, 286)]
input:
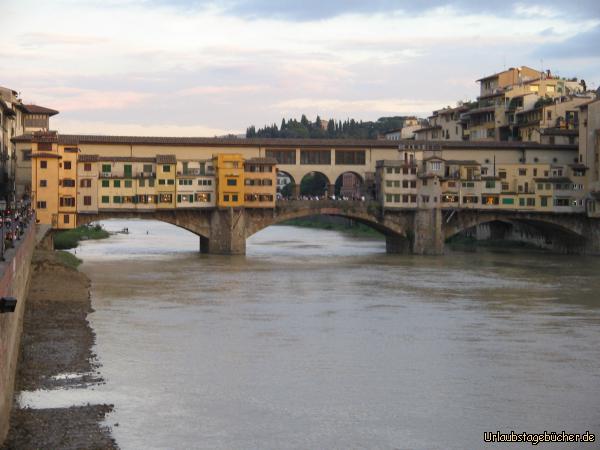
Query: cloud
[(71, 126), (67, 99), (581, 45), (315, 10), (43, 39)]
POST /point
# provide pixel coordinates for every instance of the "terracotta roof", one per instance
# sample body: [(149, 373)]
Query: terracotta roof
[(261, 161), (72, 139), (480, 110), (553, 180), (45, 155), (126, 159), (36, 109), (87, 158), (166, 159), (465, 162), (558, 132)]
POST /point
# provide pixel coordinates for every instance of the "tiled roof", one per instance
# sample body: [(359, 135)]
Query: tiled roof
[(87, 158), (127, 159), (261, 161), (45, 155), (73, 139), (36, 109), (466, 162), (166, 159)]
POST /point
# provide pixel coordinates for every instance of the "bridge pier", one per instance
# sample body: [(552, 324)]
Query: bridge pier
[(395, 244), (227, 232), (428, 238), (204, 244)]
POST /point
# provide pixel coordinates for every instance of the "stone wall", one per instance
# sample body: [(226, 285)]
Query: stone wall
[(14, 282)]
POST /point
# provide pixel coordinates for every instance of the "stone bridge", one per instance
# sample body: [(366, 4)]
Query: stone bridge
[(418, 231)]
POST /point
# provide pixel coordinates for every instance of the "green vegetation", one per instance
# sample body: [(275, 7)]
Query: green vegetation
[(70, 238), (349, 129), (68, 259), (350, 227)]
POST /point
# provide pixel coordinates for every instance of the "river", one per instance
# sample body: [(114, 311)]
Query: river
[(318, 340)]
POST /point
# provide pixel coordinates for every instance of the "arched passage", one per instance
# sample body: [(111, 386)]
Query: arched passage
[(349, 185), (286, 184), (315, 184), (544, 232)]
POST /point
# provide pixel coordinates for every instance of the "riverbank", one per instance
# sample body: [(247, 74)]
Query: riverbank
[(57, 339), (341, 224), (64, 240)]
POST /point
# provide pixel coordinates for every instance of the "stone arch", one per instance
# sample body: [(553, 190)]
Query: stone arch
[(293, 191), (327, 186), (559, 233), (196, 222), (357, 192), (397, 226)]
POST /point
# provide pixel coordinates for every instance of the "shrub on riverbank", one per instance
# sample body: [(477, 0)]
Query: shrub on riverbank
[(64, 240), (68, 259)]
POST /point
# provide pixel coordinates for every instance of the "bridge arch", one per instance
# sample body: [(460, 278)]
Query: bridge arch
[(560, 232), (315, 183), (349, 184)]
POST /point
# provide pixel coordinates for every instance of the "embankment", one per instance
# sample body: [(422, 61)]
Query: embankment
[(57, 340), (14, 282)]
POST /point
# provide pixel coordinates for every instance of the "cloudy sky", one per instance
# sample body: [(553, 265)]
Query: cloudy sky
[(204, 68)]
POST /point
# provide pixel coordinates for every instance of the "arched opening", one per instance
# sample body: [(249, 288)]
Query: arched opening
[(286, 185), (516, 232), (314, 185), (350, 186)]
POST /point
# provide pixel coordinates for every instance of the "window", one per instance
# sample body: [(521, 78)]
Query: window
[(106, 168), (105, 199), (87, 167), (171, 182), (105, 183), (203, 197), (502, 174), (508, 201), (67, 202), (282, 156), (388, 169), (161, 182), (151, 182), (117, 183), (43, 183), (147, 168), (350, 157), (66, 218), (87, 200), (166, 168), (535, 172), (544, 201), (128, 183), (389, 183), (166, 198), (231, 182), (315, 157), (85, 183), (435, 165), (127, 169), (490, 184), (117, 199), (68, 182), (67, 165), (41, 205), (234, 197), (43, 164), (142, 182), (225, 197), (522, 172)]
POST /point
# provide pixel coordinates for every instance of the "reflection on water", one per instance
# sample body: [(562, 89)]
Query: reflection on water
[(319, 340)]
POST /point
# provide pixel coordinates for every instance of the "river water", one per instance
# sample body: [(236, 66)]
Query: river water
[(318, 340)]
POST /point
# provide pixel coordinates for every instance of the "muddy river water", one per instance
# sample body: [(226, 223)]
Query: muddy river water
[(315, 339)]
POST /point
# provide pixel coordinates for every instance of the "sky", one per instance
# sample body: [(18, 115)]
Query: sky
[(206, 68)]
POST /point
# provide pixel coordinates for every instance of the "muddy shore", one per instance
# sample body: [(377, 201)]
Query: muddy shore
[(57, 339)]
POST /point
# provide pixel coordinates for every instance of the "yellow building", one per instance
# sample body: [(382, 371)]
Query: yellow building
[(260, 184), (230, 179), (166, 166), (54, 181)]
